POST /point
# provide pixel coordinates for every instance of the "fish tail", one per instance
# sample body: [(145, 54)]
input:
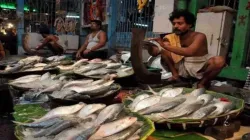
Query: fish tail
[(36, 95), (151, 90), (19, 123)]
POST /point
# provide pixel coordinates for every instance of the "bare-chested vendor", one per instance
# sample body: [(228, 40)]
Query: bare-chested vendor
[(185, 52)]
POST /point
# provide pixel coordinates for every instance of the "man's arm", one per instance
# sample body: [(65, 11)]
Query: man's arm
[(190, 50), (45, 41), (102, 41), (85, 44)]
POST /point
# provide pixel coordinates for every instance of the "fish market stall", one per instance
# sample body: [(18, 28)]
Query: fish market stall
[(82, 100)]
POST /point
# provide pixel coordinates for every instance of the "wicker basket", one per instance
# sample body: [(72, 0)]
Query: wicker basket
[(186, 124)]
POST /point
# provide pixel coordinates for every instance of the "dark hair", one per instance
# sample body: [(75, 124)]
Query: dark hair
[(44, 29), (188, 16), (98, 22)]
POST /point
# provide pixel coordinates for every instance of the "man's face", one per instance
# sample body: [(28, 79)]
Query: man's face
[(93, 26), (180, 26)]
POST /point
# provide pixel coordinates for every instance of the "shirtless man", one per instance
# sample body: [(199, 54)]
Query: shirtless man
[(54, 43), (196, 61)]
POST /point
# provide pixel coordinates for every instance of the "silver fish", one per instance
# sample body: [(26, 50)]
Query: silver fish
[(156, 117), (26, 67), (77, 96), (137, 100), (56, 58), (45, 76), (63, 74), (135, 136), (164, 90), (147, 102), (114, 127), (61, 111), (30, 96), (51, 65), (77, 83), (43, 132), (94, 90), (113, 66), (13, 69), (86, 133), (163, 105), (99, 72), (52, 88), (61, 127), (187, 110), (108, 113), (106, 61), (207, 98), (202, 112), (40, 65), (26, 79), (62, 94), (42, 124), (198, 92), (80, 62), (167, 92), (221, 107), (125, 134), (89, 109), (91, 66), (172, 92), (31, 59), (73, 133)]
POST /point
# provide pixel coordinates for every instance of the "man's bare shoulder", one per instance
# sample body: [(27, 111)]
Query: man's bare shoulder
[(102, 33), (199, 35)]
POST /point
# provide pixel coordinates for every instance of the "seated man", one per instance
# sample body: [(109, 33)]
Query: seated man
[(185, 51), (95, 43), (53, 42)]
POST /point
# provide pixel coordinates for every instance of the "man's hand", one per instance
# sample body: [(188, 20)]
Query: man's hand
[(78, 55), (38, 47), (159, 40), (86, 51), (153, 51)]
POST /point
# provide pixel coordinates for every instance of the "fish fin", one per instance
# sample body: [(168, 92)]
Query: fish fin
[(151, 90)]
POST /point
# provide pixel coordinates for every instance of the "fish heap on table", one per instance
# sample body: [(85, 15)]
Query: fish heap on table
[(95, 67), (39, 86), (101, 68), (170, 104), (33, 63), (84, 122)]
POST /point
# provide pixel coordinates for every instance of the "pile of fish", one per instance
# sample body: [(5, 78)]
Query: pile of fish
[(95, 67), (33, 63), (84, 122), (171, 104), (39, 86), (101, 68)]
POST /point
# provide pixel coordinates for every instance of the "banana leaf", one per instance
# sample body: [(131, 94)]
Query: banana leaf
[(26, 113)]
